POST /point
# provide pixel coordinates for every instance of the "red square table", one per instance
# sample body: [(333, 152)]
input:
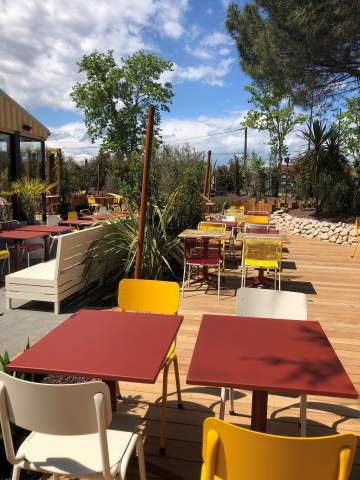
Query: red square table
[(18, 236), (55, 229), (104, 344), (78, 223), (267, 356)]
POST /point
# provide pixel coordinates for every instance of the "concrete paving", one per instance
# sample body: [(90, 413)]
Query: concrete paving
[(34, 319)]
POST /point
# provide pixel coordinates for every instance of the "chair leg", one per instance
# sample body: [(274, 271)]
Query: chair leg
[(183, 282), (232, 409), (303, 401), (16, 473), (118, 393), (28, 255), (222, 402), (163, 411), (279, 279), (8, 262), (219, 283), (141, 458), (177, 379), (354, 252)]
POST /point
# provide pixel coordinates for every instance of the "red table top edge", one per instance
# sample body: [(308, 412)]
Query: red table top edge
[(15, 366), (24, 234), (269, 389)]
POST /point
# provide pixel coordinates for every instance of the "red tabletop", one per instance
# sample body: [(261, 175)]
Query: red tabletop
[(45, 228), (20, 234), (79, 222), (267, 355), (98, 216), (103, 344)]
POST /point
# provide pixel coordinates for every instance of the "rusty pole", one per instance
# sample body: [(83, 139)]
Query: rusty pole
[(98, 178), (207, 177), (59, 166), (144, 191)]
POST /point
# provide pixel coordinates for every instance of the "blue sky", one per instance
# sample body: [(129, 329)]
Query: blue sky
[(42, 41)]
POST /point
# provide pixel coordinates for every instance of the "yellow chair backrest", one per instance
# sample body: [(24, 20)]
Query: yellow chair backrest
[(235, 213), (257, 219), (357, 226), (212, 226), (267, 249), (91, 199), (153, 296), (230, 452), (72, 215)]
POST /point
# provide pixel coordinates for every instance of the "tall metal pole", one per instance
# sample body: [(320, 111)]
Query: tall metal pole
[(207, 173), (98, 178), (245, 146), (144, 191), (59, 162)]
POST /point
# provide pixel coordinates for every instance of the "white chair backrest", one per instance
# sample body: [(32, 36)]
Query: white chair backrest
[(53, 409), (52, 219), (256, 226), (271, 304)]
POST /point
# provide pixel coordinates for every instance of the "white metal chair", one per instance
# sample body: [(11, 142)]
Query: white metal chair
[(74, 433), (270, 304)]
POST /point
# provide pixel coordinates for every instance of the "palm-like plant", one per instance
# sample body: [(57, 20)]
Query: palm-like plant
[(117, 249), (315, 157), (29, 191)]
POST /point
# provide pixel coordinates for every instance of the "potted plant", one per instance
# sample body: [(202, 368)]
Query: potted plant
[(29, 191)]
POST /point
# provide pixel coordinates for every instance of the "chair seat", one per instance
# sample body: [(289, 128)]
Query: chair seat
[(261, 263), (78, 455), (203, 261)]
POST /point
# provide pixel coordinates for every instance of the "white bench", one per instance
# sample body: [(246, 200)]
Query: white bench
[(56, 279)]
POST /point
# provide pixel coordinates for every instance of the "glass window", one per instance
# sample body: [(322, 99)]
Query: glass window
[(30, 153), (5, 162)]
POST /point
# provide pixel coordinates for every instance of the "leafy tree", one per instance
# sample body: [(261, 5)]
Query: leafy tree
[(302, 47), (349, 123), (115, 99), (275, 115), (256, 176)]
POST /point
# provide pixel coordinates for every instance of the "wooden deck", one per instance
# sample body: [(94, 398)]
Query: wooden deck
[(332, 280)]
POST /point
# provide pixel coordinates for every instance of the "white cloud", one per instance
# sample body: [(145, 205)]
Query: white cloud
[(212, 74), (41, 41), (215, 39), (74, 141), (198, 52)]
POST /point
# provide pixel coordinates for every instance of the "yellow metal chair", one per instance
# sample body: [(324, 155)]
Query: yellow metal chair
[(5, 258), (230, 452), (154, 296), (92, 202), (265, 254), (221, 227), (261, 219), (357, 228), (72, 215)]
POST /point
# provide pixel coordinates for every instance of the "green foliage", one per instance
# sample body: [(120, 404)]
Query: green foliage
[(29, 191), (274, 114), (161, 253), (349, 124), (115, 99), (324, 168), (300, 48)]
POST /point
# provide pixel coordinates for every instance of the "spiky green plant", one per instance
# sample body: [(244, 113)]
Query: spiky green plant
[(117, 249), (29, 191)]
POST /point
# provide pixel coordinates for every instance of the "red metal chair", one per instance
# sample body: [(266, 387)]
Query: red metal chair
[(199, 253)]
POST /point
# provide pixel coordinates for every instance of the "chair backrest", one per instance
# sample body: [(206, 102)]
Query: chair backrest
[(262, 219), (262, 249), (357, 226), (154, 296), (197, 248), (258, 213), (212, 226), (252, 302), (256, 228), (91, 200), (72, 215), (230, 452), (235, 213)]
